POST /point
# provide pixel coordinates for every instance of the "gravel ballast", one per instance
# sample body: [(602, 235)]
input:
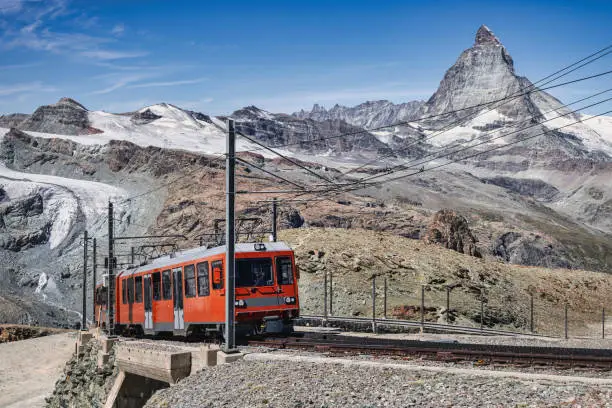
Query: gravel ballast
[(309, 384)]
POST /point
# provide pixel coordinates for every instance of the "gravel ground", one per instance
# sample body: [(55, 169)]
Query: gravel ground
[(302, 384)]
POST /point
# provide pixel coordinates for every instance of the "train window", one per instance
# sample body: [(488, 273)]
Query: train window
[(130, 289), (166, 285), (138, 289), (284, 274), (124, 291), (217, 269), (203, 285), (156, 286), (254, 272), (190, 281)]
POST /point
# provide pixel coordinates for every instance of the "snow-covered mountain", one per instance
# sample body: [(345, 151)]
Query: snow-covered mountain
[(61, 164), (369, 115)]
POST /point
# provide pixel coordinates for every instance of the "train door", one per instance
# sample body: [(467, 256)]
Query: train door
[(130, 293), (148, 303), (179, 317)]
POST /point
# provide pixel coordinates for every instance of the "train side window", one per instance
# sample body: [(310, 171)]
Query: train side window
[(190, 281), (130, 290), (166, 285), (284, 272), (124, 291), (138, 289), (156, 286), (203, 285), (217, 272)]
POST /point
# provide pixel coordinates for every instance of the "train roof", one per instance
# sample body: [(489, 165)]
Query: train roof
[(203, 252)]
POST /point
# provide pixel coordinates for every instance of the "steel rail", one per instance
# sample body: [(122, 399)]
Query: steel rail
[(445, 351), (418, 324)]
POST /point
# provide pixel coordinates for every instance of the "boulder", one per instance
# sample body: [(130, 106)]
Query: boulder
[(452, 230)]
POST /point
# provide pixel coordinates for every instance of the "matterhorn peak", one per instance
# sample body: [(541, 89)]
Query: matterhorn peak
[(484, 35)]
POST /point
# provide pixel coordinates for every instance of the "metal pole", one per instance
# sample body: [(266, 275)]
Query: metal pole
[(448, 305), (230, 239), (603, 322), (481, 312), (325, 295), (422, 308), (566, 321), (132, 253), (385, 301), (531, 314), (93, 279), (84, 317), (111, 276), (274, 217), (331, 294), (374, 304)]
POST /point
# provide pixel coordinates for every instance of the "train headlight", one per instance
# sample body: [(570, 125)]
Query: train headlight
[(240, 303), (289, 300)]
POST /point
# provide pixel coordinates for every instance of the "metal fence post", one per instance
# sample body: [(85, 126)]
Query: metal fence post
[(448, 304), (566, 321), (603, 322), (481, 312), (374, 304), (325, 295), (385, 301), (422, 308), (531, 313), (331, 294)]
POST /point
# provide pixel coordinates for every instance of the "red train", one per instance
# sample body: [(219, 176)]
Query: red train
[(184, 293)]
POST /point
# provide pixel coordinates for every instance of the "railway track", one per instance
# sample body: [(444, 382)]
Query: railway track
[(480, 354), (410, 324)]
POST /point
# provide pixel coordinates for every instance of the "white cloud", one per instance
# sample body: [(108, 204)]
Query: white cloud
[(169, 83), (118, 30), (10, 6), (113, 55), (36, 86), (118, 81)]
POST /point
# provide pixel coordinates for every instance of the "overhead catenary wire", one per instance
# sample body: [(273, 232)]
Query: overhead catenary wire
[(366, 181), (449, 146), (285, 158), (495, 148), (589, 59), (468, 117)]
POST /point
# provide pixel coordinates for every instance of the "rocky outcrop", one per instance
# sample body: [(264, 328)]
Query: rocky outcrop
[(532, 250), (452, 231), (144, 117), (526, 187), (306, 135), (371, 114), (12, 120), (22, 223), (66, 117)]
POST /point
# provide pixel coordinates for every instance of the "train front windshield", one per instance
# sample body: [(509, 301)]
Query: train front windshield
[(254, 272)]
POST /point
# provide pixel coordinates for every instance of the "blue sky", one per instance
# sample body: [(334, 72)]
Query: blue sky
[(217, 56)]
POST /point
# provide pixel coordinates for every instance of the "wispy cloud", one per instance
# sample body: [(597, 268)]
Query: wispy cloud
[(118, 30), (118, 81), (105, 55), (169, 83), (37, 86), (29, 27)]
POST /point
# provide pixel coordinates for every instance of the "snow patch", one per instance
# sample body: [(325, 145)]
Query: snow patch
[(43, 279)]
